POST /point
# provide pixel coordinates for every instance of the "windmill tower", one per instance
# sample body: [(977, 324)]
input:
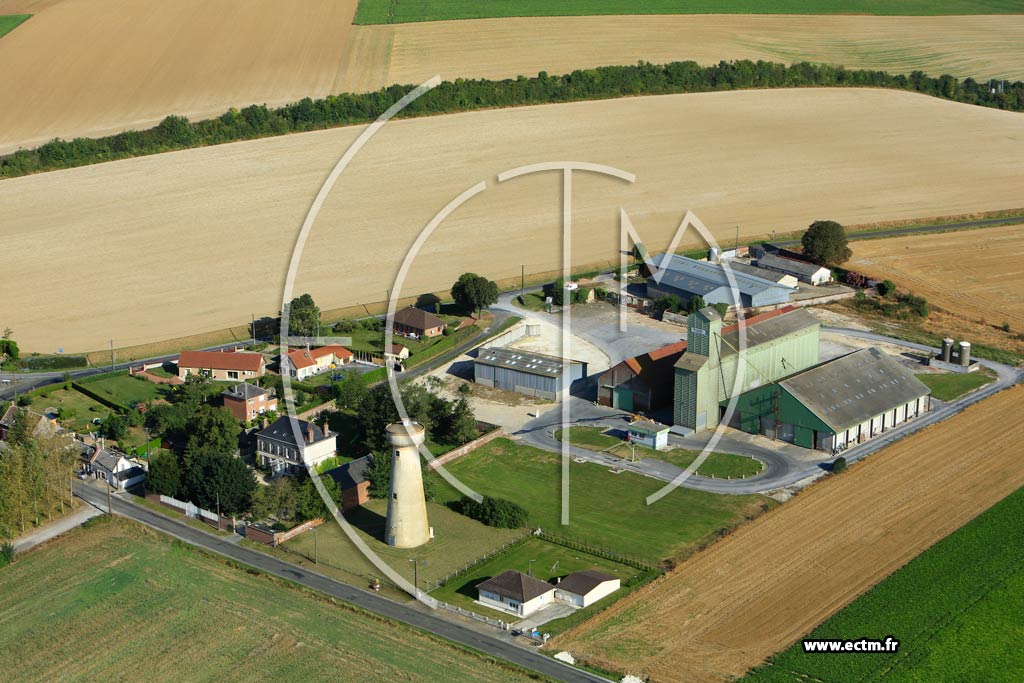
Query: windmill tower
[(407, 525)]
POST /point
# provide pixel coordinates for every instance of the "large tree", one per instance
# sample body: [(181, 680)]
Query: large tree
[(303, 317), (474, 292), (211, 479), (164, 476), (825, 243)]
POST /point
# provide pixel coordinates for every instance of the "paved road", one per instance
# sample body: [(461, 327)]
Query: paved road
[(414, 615), (55, 529), (896, 232)]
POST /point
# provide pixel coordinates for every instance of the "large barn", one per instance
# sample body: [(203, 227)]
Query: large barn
[(778, 344), (532, 374), (640, 384), (686, 278), (842, 402)]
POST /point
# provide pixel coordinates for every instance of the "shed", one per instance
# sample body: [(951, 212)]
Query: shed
[(584, 588), (532, 374), (649, 433)]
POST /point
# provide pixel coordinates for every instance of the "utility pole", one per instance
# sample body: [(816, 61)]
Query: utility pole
[(316, 552), (109, 509), (522, 283), (111, 355), (415, 575), (253, 329), (737, 237)]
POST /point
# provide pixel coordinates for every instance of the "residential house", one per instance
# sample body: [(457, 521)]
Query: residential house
[(415, 322), (583, 589), (396, 354), (301, 364), (515, 592), (352, 482), (222, 365), (277, 449), (41, 424), (246, 401), (113, 467)]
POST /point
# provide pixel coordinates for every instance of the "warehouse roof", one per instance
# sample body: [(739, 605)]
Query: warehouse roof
[(854, 388), (763, 273), (703, 277), (789, 265), (515, 586), (514, 359), (767, 327)]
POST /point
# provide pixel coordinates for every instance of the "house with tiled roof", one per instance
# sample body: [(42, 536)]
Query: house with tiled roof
[(247, 401), (415, 322), (304, 363), (515, 592), (584, 588), (289, 443), (222, 365)]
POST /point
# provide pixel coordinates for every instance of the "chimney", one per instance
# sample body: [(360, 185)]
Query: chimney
[(309, 432)]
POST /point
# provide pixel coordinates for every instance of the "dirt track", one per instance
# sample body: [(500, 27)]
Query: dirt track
[(165, 246), (759, 590), (974, 273), (93, 67), (977, 46)]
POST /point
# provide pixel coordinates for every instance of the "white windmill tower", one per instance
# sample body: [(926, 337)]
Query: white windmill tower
[(407, 525)]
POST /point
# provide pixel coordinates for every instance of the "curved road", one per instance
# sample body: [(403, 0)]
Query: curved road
[(413, 615)]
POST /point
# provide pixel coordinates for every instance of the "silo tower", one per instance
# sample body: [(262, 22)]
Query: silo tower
[(407, 525)]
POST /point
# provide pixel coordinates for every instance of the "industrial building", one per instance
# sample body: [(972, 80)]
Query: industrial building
[(685, 278), (777, 344), (640, 384), (779, 278), (532, 374), (811, 273), (835, 404)]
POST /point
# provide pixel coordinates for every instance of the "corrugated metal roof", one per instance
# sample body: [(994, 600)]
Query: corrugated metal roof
[(789, 265), (854, 388), (767, 328), (514, 359), (703, 277)]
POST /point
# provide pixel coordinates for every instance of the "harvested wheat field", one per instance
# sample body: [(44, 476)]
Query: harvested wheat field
[(757, 591), (94, 67), (977, 46), (974, 274), (189, 242)]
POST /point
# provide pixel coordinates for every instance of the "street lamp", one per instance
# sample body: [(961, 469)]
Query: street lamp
[(529, 568), (416, 573)]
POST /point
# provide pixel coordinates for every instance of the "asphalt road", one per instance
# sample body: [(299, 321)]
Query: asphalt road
[(896, 232), (414, 615)]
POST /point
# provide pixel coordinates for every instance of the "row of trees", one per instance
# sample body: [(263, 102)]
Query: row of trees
[(35, 477), (255, 121)]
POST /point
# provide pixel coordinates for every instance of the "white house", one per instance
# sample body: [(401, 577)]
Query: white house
[(276, 446), (649, 433), (304, 363), (515, 592), (115, 469), (582, 589)]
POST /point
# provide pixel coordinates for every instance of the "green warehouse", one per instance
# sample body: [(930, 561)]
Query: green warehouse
[(778, 344), (836, 404)]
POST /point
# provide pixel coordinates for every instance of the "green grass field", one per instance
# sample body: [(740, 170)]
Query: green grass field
[(9, 22), (458, 541), (549, 561), (607, 510), (402, 11), (128, 390), (949, 386), (956, 610), (79, 409), (120, 603)]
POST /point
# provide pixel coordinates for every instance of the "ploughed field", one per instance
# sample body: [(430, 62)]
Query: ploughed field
[(755, 592), (192, 242)]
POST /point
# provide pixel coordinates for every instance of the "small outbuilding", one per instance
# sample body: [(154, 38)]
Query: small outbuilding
[(583, 589), (515, 592), (352, 482), (649, 433)]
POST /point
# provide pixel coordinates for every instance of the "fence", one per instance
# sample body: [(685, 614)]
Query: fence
[(516, 333), (266, 535), (497, 623), (455, 453), (597, 551), (193, 511), (465, 569)]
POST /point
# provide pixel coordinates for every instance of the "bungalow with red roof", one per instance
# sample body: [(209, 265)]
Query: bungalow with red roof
[(303, 363), (415, 322), (221, 365)]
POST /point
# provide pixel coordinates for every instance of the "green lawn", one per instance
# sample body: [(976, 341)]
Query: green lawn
[(605, 509), (402, 11), (79, 409), (458, 541), (9, 22), (128, 390), (593, 438), (550, 561), (956, 610), (167, 612), (949, 386)]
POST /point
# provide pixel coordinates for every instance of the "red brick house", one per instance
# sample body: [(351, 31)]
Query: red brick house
[(245, 401), (352, 482), (222, 365), (413, 321)]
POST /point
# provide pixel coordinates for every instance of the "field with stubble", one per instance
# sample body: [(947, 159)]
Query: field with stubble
[(84, 68), (974, 274), (122, 603), (755, 592), (977, 46), (189, 242)]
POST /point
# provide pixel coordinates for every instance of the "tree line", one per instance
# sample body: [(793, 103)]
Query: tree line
[(257, 121)]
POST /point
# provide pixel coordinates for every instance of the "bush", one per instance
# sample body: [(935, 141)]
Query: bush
[(886, 288), (345, 327), (6, 554), (495, 512), (24, 401), (839, 465)]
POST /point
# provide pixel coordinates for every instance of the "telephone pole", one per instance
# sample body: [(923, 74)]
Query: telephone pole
[(111, 355), (254, 329), (522, 283), (109, 510)]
